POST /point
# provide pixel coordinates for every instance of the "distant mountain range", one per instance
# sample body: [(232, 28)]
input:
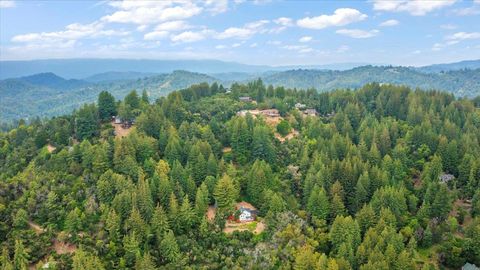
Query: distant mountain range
[(117, 76), (84, 68), (463, 82), (48, 94), (469, 64), (39, 95)]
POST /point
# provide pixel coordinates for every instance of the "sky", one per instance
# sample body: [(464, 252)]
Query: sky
[(262, 32)]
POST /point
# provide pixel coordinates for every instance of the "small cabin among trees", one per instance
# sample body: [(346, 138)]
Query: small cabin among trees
[(445, 178), (245, 99), (245, 212), (310, 112)]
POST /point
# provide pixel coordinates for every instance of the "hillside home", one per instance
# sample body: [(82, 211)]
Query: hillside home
[(310, 112), (117, 120), (469, 266), (300, 106), (445, 178), (246, 215), (245, 99), (245, 212), (271, 113)]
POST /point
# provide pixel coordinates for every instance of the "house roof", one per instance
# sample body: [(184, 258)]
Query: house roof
[(469, 266), (246, 205), (446, 177)]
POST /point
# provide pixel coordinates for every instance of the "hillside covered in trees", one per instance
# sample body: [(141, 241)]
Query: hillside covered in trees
[(47, 95), (462, 82), (384, 177)]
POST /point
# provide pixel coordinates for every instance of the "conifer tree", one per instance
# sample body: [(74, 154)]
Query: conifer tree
[(318, 205), (106, 106), (144, 262), (20, 256), (225, 194), (169, 248), (159, 223), (201, 200)]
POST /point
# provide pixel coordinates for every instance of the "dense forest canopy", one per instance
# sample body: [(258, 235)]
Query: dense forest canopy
[(384, 177)]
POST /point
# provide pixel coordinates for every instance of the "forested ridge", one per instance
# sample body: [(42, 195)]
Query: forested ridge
[(384, 177), (48, 95)]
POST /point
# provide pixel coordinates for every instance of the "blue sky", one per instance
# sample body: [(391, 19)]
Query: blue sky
[(399, 32)]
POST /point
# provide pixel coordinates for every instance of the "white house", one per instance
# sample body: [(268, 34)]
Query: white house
[(445, 178), (245, 215), (245, 99), (300, 106), (118, 120)]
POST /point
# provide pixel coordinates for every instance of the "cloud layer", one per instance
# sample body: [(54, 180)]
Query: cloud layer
[(340, 17), (242, 28)]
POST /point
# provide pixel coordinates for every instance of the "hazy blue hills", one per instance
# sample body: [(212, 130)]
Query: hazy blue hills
[(469, 64), (112, 69), (117, 76), (463, 82), (83, 68), (48, 94), (35, 95), (51, 80)]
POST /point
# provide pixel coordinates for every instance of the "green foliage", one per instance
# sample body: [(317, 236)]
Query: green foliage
[(87, 122), (283, 128), (106, 106), (358, 188), (225, 194)]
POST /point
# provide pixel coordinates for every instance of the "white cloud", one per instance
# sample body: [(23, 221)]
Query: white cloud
[(72, 32), (54, 49), (306, 50), (189, 36), (357, 33), (456, 38), (261, 2), (473, 10), (7, 4), (341, 16), (414, 7), (172, 26), (256, 24), (220, 47), (437, 46), (235, 45), (305, 39), (298, 48), (284, 21), (164, 29), (274, 42), (235, 32), (343, 49), (253, 45), (216, 6), (463, 36), (389, 23), (244, 32), (294, 47), (156, 35), (150, 12), (142, 27)]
